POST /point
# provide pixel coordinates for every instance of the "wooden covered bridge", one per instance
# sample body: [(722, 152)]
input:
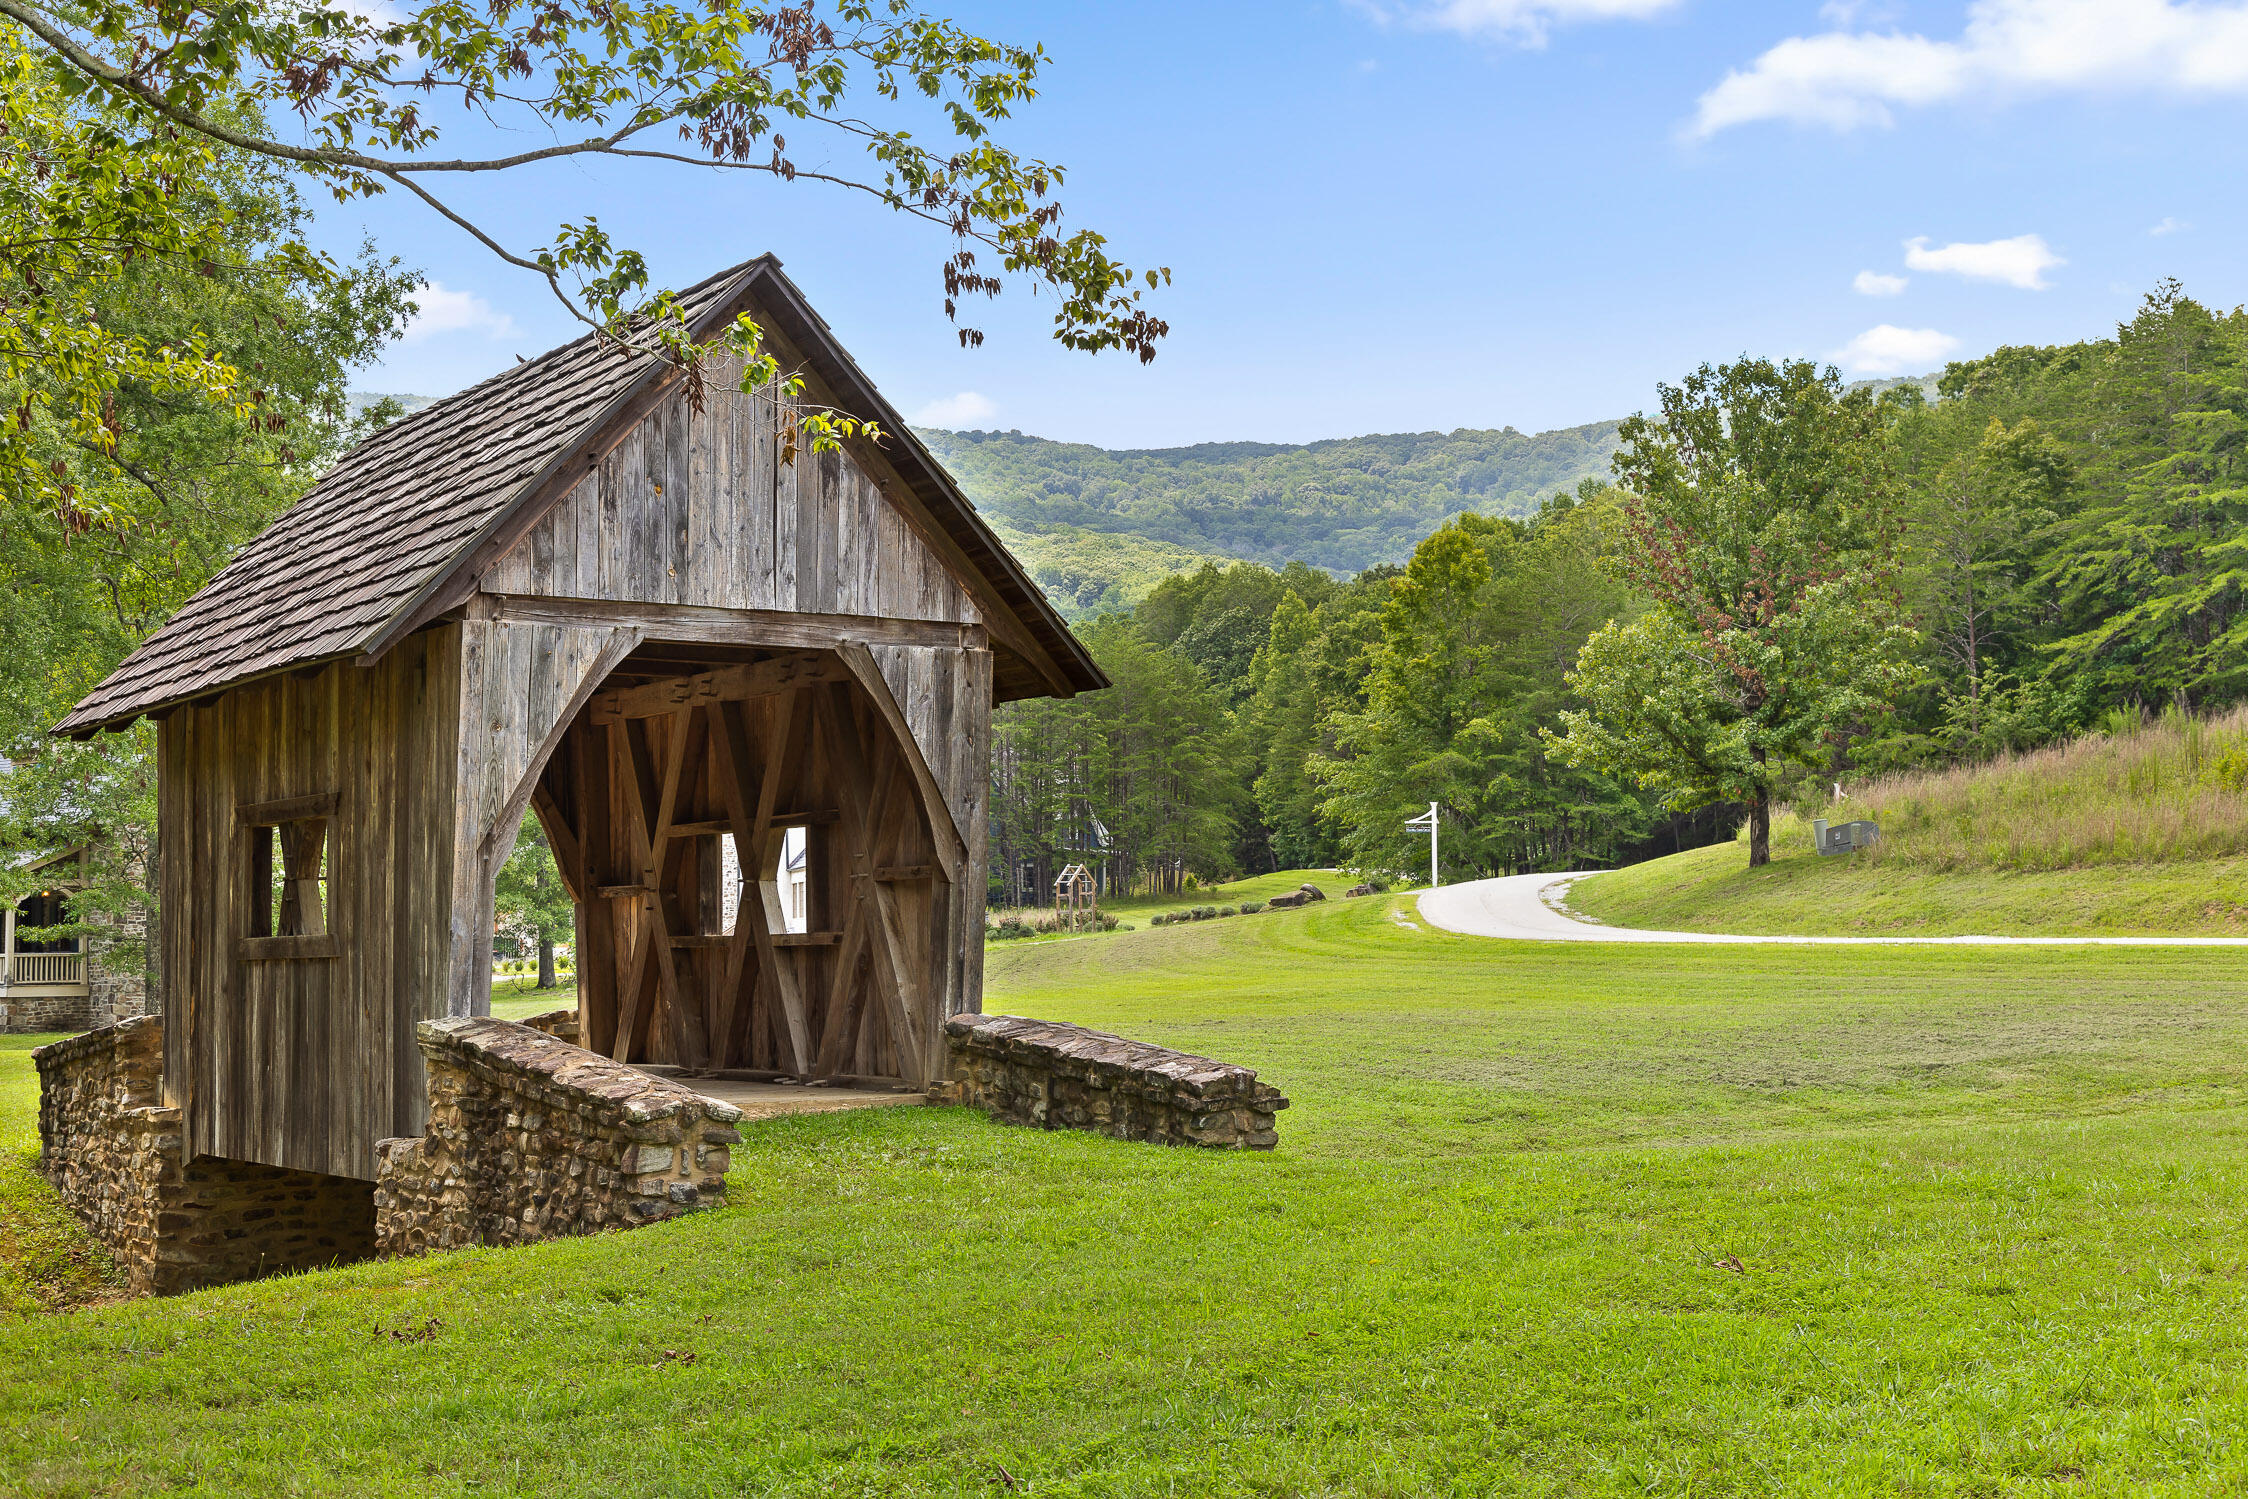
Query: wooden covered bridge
[(568, 590)]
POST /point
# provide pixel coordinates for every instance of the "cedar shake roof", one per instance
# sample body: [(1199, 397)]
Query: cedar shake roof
[(398, 515)]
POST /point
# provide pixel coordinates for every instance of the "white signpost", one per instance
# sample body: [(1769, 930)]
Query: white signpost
[(1427, 821)]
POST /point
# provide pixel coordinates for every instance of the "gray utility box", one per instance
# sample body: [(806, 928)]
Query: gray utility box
[(1844, 837)]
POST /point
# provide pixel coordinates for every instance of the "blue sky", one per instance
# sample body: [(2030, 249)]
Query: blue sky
[(1405, 215)]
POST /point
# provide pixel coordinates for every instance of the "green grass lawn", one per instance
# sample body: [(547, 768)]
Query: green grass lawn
[(47, 1262), (1713, 890), (1545, 1219), (512, 999)]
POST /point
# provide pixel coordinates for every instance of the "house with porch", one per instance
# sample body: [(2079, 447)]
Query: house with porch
[(50, 984)]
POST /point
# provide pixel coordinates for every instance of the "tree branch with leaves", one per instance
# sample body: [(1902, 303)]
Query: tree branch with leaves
[(149, 88)]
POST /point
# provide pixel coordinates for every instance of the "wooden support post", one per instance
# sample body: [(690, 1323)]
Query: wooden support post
[(944, 834), (751, 791), (597, 919), (866, 806)]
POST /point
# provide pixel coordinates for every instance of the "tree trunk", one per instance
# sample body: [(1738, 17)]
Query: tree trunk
[(1974, 669), (546, 962), (1760, 829)]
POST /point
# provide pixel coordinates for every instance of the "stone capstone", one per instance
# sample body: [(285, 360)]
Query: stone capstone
[(533, 1138), (1058, 1076), (1302, 895), (560, 1024)]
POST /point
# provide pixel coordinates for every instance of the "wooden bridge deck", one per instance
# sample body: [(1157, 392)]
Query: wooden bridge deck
[(766, 1099)]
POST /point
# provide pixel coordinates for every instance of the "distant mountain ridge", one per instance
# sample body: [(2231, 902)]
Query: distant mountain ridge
[(1098, 527), (1343, 503)]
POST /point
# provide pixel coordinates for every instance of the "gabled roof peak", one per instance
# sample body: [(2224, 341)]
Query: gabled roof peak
[(391, 525)]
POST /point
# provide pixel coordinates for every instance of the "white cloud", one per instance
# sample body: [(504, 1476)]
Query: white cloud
[(955, 411), (1522, 21), (439, 309), (1877, 284), (1890, 350), (1845, 79), (2021, 261), (2169, 226)]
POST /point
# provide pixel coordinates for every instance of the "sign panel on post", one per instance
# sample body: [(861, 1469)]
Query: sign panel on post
[(1427, 821)]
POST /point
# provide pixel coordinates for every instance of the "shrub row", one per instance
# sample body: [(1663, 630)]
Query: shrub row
[(1014, 928), (1205, 913)]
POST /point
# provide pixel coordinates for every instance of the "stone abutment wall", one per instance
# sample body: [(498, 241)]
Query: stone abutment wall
[(531, 1137), (113, 1151), (1057, 1076)]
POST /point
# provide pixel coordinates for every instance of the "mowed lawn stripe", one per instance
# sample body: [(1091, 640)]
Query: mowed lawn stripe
[(1544, 1220)]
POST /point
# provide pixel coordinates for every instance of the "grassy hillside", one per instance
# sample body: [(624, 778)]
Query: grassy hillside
[(1086, 573), (1545, 1219), (1345, 504), (1713, 890), (2138, 829), (2141, 791)]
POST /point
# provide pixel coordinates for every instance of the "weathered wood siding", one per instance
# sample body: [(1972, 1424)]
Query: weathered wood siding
[(306, 1062), (700, 509), (520, 686), (946, 698)]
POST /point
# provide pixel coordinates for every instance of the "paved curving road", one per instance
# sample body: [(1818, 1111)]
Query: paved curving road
[(1527, 907)]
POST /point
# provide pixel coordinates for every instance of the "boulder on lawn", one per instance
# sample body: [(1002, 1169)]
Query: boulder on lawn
[(1287, 902), (1357, 890), (1310, 892)]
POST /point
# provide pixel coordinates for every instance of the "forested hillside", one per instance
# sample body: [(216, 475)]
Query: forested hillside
[(2075, 518), (1343, 505), (2062, 536), (1091, 573)]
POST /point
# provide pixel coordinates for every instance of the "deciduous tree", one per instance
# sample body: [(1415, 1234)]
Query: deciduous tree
[(1761, 527), (531, 898), (161, 501)]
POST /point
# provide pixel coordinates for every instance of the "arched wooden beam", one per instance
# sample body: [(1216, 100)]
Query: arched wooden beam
[(944, 833)]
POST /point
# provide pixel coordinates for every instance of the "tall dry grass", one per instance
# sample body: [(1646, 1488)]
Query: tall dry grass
[(2140, 790)]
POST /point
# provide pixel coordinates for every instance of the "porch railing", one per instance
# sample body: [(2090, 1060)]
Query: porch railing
[(45, 968)]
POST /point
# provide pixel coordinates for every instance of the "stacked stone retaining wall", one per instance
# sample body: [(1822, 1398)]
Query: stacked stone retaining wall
[(1057, 1076), (531, 1138), (114, 1152), (37, 1014)]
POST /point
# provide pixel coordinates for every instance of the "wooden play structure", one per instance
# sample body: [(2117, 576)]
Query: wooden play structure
[(656, 624), (1076, 898)]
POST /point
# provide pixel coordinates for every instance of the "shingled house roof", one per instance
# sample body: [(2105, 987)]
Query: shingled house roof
[(399, 514)]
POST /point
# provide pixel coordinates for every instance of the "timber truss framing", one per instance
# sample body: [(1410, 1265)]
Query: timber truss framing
[(653, 774)]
